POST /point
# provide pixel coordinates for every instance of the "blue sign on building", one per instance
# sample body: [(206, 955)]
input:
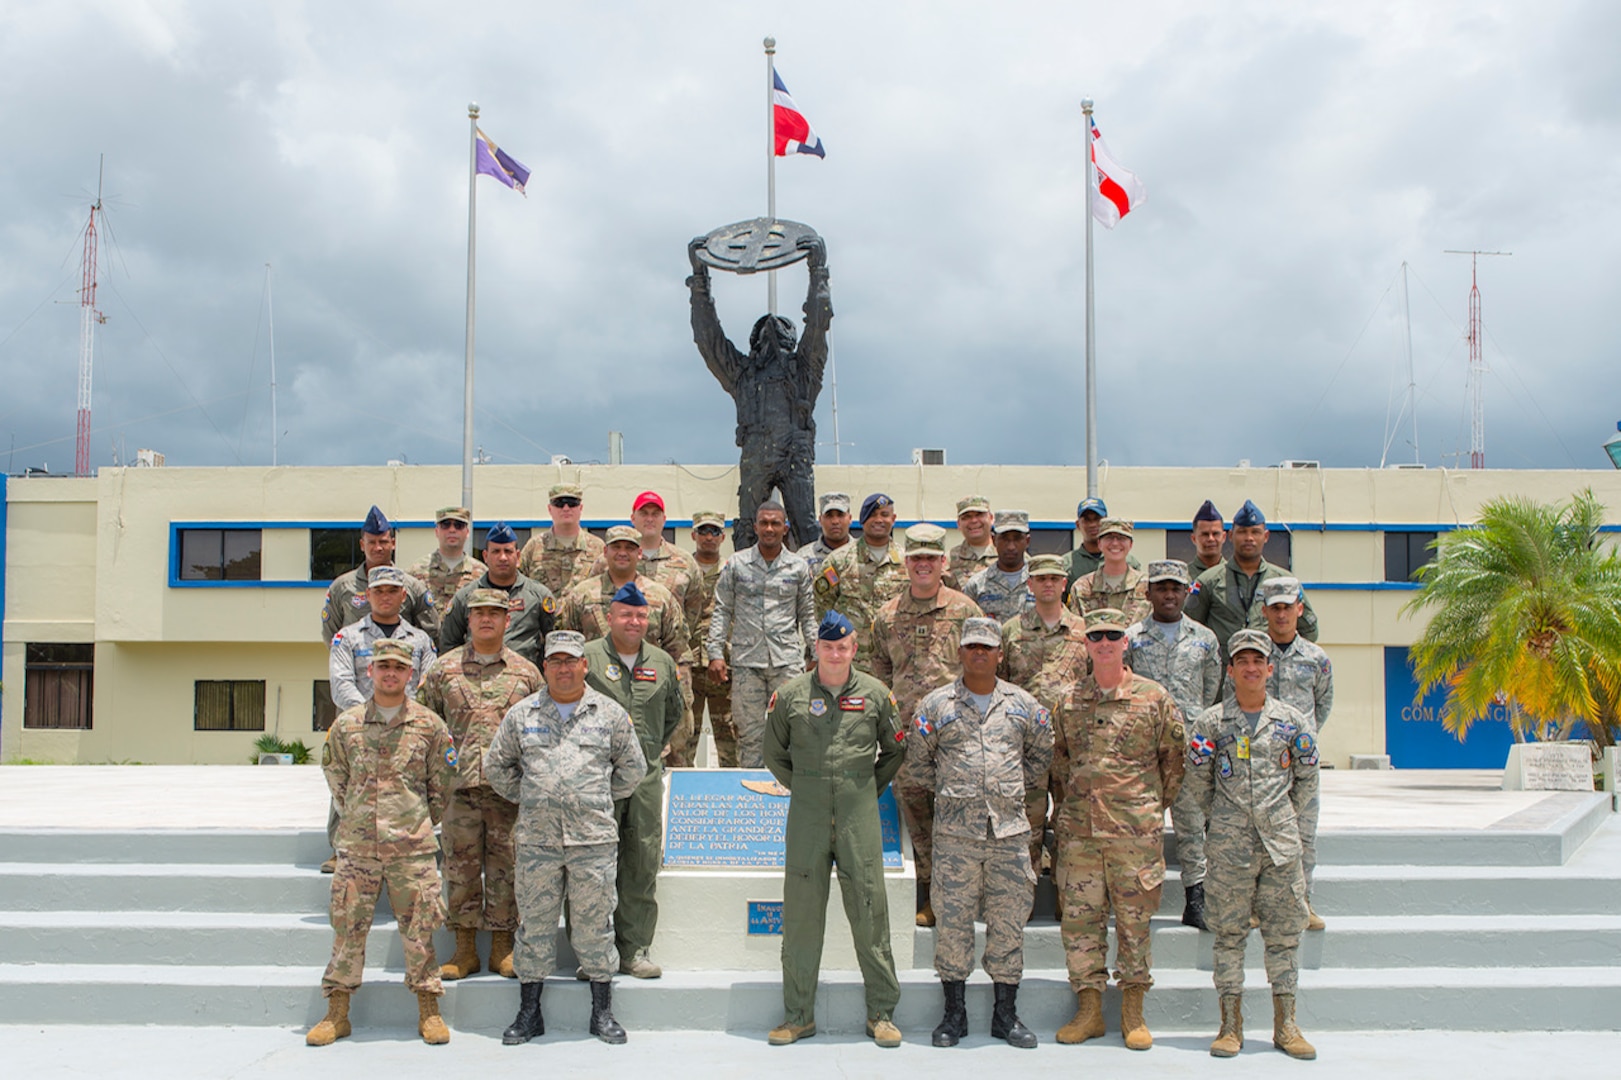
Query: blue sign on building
[(765, 917), (1414, 736)]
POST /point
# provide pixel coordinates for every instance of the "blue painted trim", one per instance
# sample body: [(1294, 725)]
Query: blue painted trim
[(1361, 586), (4, 506), (1339, 526)]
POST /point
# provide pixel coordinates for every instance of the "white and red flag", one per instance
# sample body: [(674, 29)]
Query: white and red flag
[(1119, 192), (793, 131)]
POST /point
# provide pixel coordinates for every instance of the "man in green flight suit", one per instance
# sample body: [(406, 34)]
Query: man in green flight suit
[(641, 678), (834, 739)]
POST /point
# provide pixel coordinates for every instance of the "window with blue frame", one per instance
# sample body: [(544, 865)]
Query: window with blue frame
[(220, 554)]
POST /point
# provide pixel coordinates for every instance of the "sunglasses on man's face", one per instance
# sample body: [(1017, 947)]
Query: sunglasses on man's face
[(1105, 635), (452, 523), (708, 530), (567, 504)]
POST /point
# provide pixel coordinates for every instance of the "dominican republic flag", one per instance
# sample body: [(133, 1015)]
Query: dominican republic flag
[(794, 134), (496, 162), (1119, 192)]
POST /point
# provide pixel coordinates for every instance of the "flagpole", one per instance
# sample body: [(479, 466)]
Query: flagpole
[(472, 268), (1091, 343), (771, 158)]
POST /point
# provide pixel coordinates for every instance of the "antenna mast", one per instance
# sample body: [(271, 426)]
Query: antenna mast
[(275, 427), (88, 318), (1476, 389)]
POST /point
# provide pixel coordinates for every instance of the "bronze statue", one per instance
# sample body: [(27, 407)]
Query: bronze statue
[(776, 383)]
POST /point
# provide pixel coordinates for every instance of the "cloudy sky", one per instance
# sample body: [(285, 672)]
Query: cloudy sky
[(1295, 156)]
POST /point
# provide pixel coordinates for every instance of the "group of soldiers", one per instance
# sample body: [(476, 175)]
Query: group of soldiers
[(1005, 696)]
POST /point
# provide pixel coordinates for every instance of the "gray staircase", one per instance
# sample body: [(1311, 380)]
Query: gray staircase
[(1507, 930)]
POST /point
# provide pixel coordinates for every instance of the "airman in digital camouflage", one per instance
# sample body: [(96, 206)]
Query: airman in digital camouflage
[(834, 508), (449, 567), (1002, 588), (390, 764), (346, 596), (1117, 764), (1115, 583), (563, 555), (979, 743), (1252, 767), (472, 686), (565, 755), (858, 578)]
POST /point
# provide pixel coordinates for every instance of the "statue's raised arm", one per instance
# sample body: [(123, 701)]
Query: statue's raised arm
[(720, 355), (812, 352)]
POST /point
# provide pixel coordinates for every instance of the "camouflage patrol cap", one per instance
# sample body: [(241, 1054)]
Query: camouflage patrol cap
[(453, 513), (565, 491), (1105, 618), (973, 502), (978, 630), (925, 538), (1046, 566), (385, 575), (1115, 525), (392, 649), (1280, 590), (1011, 521), (568, 642), (1168, 570), (623, 534), (488, 598), (707, 517), (1247, 639), (833, 500)]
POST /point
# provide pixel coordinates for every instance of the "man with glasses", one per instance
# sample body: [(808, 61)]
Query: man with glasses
[(450, 566), (1117, 765), (709, 696), (346, 596), (533, 608), (564, 554)]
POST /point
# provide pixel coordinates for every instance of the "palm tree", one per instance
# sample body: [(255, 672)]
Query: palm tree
[(1526, 611)]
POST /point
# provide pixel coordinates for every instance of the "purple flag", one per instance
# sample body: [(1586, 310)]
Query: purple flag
[(496, 162)]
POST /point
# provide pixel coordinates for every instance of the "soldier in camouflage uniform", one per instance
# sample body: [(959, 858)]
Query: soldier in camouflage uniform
[(765, 619), (1185, 658), (915, 643), (646, 687), (450, 566), (1252, 767), (563, 555), (1117, 764), (1302, 676), (565, 755), (585, 607), (472, 686), (859, 577), (1044, 652), (1227, 597), (976, 552), (708, 695), (834, 508), (834, 740), (1115, 583), (1002, 589), (390, 764), (346, 596), (980, 743), (532, 606)]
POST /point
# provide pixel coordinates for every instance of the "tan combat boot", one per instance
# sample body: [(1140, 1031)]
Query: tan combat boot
[(500, 954), (335, 1025), (1131, 1019), (465, 960), (1087, 1023), (786, 1033), (1314, 921), (1285, 1035), (1231, 1039), (925, 905), (430, 1025), (884, 1033)]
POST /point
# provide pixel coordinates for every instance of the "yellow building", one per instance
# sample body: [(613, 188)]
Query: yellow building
[(171, 615)]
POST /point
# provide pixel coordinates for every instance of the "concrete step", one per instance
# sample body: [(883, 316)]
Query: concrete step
[(252, 887), (289, 847), (1462, 999)]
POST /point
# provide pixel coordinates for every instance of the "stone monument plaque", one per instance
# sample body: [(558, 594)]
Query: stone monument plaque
[(1555, 766), (736, 818)]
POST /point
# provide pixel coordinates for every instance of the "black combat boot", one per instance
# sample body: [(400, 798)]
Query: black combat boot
[(603, 1024), (529, 1022), (1005, 1022), (1193, 908), (954, 1025)]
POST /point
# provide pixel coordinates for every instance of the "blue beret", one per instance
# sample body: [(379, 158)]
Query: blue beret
[(835, 627), (501, 533), (873, 502), (376, 523), (629, 594), (1095, 505), (1249, 514), (1208, 512)]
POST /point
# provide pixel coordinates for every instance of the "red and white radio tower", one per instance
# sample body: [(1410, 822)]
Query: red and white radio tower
[(88, 318), (1475, 390)]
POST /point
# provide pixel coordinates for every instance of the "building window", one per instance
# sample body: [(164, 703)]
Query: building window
[(1405, 552), (324, 711), (332, 552), (476, 542), (1051, 541), (57, 686), (219, 554), (230, 705), (1278, 550)]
